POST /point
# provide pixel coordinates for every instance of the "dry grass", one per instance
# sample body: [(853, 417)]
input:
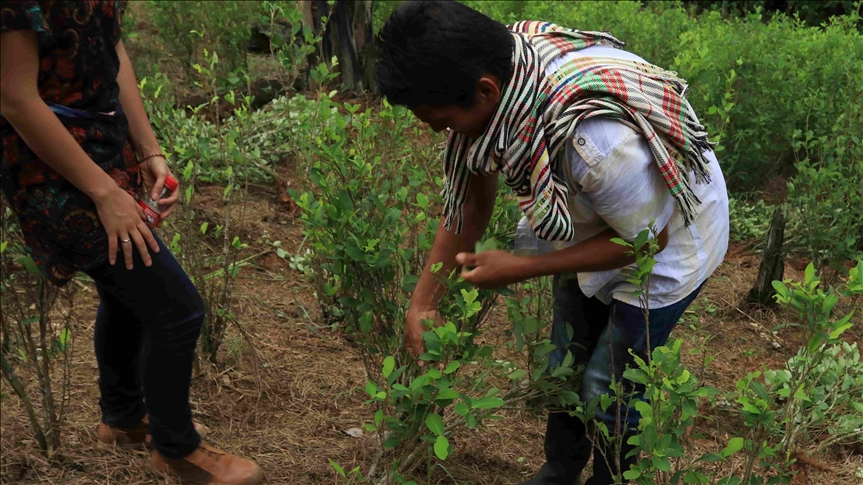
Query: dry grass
[(292, 416)]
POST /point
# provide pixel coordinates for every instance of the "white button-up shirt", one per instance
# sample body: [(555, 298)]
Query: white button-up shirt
[(615, 183)]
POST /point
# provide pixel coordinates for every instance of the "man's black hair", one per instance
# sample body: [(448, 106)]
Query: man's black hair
[(434, 52)]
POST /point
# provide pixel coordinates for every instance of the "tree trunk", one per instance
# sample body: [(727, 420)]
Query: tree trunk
[(772, 266), (348, 35), (346, 49), (365, 41)]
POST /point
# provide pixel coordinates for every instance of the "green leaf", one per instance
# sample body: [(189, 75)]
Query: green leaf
[(734, 445), (690, 407), (338, 468), (461, 409), (747, 406), (389, 365), (65, 336), (780, 288), (516, 375), (621, 242), (809, 274), (631, 474), (446, 394), (488, 403), (435, 423), (636, 375), (441, 447), (490, 244), (422, 201), (409, 282), (650, 436), (366, 322), (841, 326), (391, 442), (661, 463), (30, 265), (452, 367), (187, 172), (371, 389), (712, 457), (828, 303), (691, 478), (470, 419)]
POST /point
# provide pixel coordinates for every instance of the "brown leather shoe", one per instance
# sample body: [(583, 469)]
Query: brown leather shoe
[(209, 466), (137, 436)]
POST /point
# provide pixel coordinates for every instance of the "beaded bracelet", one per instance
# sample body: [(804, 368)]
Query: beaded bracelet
[(150, 156)]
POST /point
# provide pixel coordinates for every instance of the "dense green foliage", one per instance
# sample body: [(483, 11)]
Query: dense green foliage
[(789, 76), (780, 98), (813, 12)]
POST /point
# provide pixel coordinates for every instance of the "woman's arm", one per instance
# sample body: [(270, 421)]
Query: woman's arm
[(154, 169), (43, 132)]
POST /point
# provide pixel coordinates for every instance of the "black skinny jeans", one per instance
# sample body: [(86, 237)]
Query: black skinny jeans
[(147, 328)]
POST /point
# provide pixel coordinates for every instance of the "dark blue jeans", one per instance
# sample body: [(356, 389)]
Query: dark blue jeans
[(147, 329), (601, 338)]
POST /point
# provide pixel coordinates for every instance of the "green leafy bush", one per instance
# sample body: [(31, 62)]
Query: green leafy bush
[(749, 220), (36, 337), (788, 76), (209, 249), (817, 399), (827, 195), (369, 220), (187, 27)]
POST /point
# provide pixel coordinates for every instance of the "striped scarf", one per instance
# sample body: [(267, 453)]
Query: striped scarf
[(537, 114)]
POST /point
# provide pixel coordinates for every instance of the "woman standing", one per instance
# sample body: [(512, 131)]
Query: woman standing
[(76, 146)]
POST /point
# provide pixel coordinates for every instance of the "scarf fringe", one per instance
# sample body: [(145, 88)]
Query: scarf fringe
[(687, 202)]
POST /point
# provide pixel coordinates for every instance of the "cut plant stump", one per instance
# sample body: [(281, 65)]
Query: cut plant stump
[(772, 265)]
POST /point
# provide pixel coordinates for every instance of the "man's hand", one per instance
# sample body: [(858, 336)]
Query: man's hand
[(414, 329), (493, 269), (154, 171)]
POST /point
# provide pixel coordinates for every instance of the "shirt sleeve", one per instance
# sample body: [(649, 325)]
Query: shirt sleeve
[(20, 15), (623, 183)]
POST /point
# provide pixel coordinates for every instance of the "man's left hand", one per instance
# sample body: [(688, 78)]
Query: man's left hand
[(493, 269)]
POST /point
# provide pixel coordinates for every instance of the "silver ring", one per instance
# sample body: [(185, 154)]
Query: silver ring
[(124, 241)]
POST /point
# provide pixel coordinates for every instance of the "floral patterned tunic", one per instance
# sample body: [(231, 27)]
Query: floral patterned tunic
[(78, 80)]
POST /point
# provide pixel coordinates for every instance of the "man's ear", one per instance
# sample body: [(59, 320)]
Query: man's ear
[(488, 90)]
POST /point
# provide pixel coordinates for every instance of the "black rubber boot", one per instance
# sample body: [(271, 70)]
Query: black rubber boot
[(567, 450), (603, 456)]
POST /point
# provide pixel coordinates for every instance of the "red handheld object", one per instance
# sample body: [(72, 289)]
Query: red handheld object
[(151, 209)]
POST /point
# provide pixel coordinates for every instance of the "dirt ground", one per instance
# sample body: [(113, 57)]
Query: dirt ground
[(309, 386)]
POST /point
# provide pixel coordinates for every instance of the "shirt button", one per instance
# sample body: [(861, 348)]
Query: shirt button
[(581, 142)]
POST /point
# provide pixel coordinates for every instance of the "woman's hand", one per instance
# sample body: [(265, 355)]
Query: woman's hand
[(153, 171), (123, 220), (493, 269)]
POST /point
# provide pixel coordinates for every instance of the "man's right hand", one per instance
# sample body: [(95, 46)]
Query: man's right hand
[(414, 329)]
